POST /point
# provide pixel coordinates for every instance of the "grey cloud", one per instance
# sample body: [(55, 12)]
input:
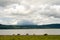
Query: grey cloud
[(7, 2), (57, 2), (51, 14), (48, 11), (26, 22), (37, 13)]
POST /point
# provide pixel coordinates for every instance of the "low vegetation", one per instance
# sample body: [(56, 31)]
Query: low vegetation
[(29, 37)]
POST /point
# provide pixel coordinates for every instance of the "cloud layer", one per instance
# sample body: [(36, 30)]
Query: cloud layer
[(34, 11)]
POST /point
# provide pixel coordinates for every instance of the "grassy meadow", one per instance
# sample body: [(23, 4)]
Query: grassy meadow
[(29, 37)]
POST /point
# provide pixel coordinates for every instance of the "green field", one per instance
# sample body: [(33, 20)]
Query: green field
[(30, 37)]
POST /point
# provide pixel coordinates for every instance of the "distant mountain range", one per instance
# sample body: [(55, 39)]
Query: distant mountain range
[(29, 26)]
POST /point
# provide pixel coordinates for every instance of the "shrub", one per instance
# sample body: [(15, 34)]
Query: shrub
[(13, 34), (18, 34), (27, 34), (45, 34)]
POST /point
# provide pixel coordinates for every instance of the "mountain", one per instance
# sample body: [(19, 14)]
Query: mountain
[(29, 26)]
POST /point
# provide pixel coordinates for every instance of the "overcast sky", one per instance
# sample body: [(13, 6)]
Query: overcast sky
[(29, 11)]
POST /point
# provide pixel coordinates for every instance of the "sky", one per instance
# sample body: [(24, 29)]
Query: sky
[(38, 12)]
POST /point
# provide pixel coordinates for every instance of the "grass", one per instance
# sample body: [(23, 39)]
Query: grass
[(29, 37)]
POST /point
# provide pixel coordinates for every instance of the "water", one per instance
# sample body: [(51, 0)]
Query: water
[(30, 31)]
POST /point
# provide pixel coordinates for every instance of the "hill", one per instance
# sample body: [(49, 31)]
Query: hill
[(29, 26)]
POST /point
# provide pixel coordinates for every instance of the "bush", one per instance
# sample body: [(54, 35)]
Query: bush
[(18, 34), (13, 34), (45, 34), (27, 34)]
